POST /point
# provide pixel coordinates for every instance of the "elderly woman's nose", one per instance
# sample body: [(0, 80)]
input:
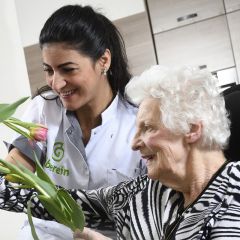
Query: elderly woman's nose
[(136, 143)]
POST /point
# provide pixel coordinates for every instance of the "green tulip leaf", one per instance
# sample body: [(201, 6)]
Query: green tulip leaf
[(40, 184), (4, 170), (73, 209), (7, 110), (23, 186), (40, 171), (29, 213), (16, 129), (31, 179), (54, 210)]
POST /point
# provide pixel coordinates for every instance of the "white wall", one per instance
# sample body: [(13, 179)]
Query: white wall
[(14, 79), (33, 13), (14, 84)]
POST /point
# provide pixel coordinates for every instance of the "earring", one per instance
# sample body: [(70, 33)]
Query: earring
[(104, 71)]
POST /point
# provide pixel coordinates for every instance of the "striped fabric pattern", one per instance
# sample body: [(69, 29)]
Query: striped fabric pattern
[(143, 209)]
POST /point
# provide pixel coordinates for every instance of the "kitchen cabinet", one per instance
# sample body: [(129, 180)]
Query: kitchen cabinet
[(138, 41), (168, 14), (232, 5), (36, 74), (206, 43)]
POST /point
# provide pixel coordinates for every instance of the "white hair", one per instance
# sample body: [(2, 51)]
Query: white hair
[(187, 95)]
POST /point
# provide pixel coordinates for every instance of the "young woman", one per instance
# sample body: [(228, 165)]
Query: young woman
[(90, 124)]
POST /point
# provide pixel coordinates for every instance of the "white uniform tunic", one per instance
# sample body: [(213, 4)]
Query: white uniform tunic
[(106, 160)]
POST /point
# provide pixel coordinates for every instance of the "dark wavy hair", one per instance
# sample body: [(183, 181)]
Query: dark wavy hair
[(90, 33)]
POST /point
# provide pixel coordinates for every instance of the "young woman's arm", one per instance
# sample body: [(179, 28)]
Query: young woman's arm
[(15, 154)]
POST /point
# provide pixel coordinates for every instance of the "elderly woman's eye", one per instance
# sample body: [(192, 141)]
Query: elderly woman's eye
[(148, 128)]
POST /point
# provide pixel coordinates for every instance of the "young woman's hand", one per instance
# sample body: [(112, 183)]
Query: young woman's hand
[(88, 234)]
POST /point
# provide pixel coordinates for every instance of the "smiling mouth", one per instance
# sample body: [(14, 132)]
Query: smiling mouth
[(67, 93), (148, 157)]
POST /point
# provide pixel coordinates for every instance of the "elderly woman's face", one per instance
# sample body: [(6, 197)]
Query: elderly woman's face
[(162, 150)]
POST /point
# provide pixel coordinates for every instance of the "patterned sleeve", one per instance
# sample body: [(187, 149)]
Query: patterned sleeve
[(99, 206), (15, 200), (92, 203), (95, 206)]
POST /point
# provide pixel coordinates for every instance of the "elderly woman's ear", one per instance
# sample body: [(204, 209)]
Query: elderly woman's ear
[(195, 133)]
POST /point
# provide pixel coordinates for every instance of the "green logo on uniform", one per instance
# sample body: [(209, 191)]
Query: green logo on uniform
[(57, 156), (58, 151)]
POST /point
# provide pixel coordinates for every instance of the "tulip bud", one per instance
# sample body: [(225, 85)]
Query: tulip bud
[(38, 132)]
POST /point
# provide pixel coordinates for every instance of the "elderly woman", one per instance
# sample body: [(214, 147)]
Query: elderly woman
[(191, 190)]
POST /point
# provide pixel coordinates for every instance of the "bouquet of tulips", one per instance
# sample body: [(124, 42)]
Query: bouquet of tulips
[(57, 201)]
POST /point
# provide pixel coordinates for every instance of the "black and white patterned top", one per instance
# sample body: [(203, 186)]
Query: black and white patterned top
[(144, 209)]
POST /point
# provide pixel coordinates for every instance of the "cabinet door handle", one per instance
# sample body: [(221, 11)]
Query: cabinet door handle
[(189, 16), (202, 66)]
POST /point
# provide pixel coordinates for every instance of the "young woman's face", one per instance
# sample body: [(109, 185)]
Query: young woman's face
[(77, 80), (162, 150)]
